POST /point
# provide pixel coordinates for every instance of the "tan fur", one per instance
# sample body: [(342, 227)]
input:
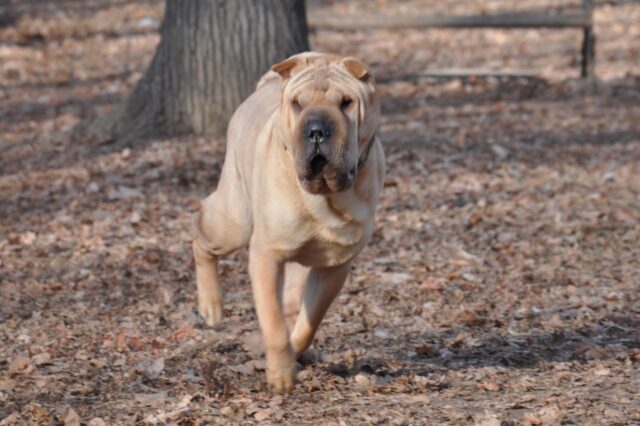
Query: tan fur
[(298, 241)]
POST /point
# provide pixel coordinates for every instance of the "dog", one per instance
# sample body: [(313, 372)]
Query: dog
[(301, 179)]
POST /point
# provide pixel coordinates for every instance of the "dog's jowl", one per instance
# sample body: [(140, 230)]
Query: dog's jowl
[(300, 183)]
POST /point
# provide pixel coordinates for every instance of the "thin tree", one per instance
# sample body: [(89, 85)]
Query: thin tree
[(210, 56)]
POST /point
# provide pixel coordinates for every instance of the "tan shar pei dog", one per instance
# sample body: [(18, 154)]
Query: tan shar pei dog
[(300, 183)]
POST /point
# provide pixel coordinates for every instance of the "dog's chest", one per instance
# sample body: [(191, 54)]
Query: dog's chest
[(325, 235), (331, 246)]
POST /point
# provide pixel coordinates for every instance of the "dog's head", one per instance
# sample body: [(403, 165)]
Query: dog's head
[(330, 111)]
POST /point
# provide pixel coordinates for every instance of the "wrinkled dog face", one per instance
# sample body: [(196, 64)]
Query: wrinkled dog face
[(330, 108)]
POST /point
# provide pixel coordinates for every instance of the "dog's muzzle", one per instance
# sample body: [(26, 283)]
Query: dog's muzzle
[(320, 151)]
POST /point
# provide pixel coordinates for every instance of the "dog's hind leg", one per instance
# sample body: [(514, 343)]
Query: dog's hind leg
[(221, 226)]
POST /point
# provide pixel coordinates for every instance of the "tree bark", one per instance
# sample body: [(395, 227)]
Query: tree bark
[(210, 56)]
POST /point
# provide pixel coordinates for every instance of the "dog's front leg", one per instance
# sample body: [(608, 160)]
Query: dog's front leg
[(266, 277), (322, 288)]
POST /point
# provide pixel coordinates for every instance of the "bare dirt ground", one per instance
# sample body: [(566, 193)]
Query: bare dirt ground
[(502, 283)]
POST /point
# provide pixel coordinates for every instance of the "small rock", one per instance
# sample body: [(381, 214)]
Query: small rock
[(96, 421), (71, 418), (363, 379), (23, 338), (166, 294), (123, 193), (382, 334), (421, 381), (147, 22), (600, 372), (305, 375), (151, 399), (27, 238), (445, 353), (135, 217), (397, 277), (152, 369), (98, 362), (93, 187), (500, 151), (227, 411), (310, 356), (42, 358)]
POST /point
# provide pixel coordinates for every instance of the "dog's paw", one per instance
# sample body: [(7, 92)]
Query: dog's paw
[(281, 375), (281, 381), (210, 311)]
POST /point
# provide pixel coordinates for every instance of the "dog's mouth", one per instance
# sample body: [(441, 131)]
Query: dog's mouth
[(322, 177), (317, 165)]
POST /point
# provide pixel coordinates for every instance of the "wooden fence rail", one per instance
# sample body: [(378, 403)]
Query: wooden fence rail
[(582, 19)]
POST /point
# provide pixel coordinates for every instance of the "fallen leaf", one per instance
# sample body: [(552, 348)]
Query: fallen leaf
[(121, 341), (426, 350), (432, 284), (490, 386), (242, 369), (151, 399), (262, 415), (10, 420), (21, 365), (471, 319), (532, 419), (7, 385), (136, 343), (186, 331)]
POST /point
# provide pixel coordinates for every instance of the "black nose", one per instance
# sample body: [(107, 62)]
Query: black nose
[(317, 131)]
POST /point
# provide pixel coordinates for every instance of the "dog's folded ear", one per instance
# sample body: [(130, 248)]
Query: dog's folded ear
[(356, 68), (285, 67)]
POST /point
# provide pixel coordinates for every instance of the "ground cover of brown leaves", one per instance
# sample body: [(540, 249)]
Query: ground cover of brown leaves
[(502, 283)]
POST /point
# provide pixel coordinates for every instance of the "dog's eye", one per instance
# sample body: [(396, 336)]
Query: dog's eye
[(346, 103), (296, 105)]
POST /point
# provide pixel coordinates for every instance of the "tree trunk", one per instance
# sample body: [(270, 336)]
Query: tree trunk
[(210, 56)]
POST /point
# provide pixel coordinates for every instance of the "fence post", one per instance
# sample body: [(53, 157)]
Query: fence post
[(588, 42)]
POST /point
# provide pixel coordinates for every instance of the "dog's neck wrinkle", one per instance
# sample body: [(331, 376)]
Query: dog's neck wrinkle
[(365, 152), (346, 213)]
